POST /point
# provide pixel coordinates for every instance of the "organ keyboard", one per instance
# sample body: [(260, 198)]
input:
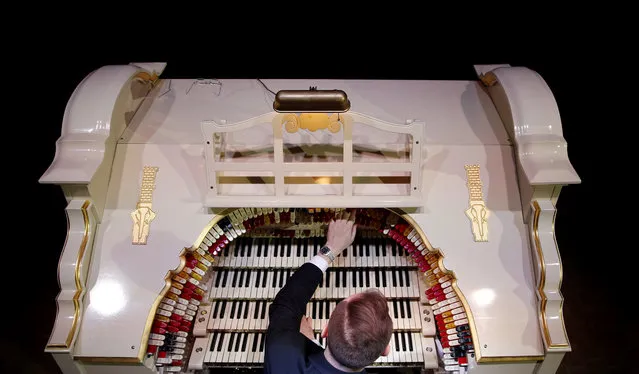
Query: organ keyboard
[(188, 212)]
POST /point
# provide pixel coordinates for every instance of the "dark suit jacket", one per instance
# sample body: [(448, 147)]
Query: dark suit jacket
[(287, 351)]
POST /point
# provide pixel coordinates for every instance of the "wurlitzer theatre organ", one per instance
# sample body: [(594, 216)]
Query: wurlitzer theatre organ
[(192, 201)]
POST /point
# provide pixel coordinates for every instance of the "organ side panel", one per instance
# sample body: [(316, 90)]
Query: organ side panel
[(72, 279)]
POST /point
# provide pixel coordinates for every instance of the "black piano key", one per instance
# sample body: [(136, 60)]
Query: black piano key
[(354, 278), (400, 277), (276, 244), (298, 249), (236, 276), (407, 274), (377, 248), (408, 312), (216, 308), (213, 340), (264, 278), (245, 338), (258, 273), (220, 341), (345, 252), (361, 249), (394, 277), (282, 279), (382, 244), (275, 274), (256, 311), (383, 273), (238, 312), (337, 278), (395, 309), (238, 342), (282, 247), (249, 244), (246, 309), (255, 338), (232, 313), (260, 244), (327, 309), (222, 309), (305, 245), (247, 283), (316, 241), (314, 309), (320, 309), (360, 273), (401, 309), (289, 244), (236, 247), (242, 274), (262, 341), (376, 277), (227, 248), (231, 339), (263, 315), (396, 340), (328, 279), (393, 247), (226, 274), (218, 278), (243, 246), (403, 341), (367, 247), (410, 342)]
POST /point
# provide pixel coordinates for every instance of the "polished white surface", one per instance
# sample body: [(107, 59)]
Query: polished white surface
[(130, 277), (530, 108), (72, 275), (455, 112), (495, 277), (87, 125)]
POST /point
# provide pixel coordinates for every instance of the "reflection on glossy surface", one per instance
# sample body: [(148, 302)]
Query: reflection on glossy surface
[(108, 298), (484, 296)]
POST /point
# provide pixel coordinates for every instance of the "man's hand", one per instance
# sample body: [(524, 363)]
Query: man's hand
[(306, 327), (341, 233)]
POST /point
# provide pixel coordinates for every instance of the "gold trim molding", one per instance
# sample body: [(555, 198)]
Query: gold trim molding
[(543, 299), (78, 283)]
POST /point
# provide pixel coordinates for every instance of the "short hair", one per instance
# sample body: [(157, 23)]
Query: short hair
[(359, 329)]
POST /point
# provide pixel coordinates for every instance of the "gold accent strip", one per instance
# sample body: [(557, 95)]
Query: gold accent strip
[(109, 360), (542, 280), (78, 284), (513, 359), (315, 180)]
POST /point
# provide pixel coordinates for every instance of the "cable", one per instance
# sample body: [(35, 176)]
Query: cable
[(268, 89)]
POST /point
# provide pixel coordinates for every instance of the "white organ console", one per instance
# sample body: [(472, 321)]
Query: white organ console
[(191, 202)]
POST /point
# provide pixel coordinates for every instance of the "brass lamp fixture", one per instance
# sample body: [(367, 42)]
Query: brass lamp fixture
[(311, 101)]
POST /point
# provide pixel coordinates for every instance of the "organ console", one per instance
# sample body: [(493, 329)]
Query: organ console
[(192, 201)]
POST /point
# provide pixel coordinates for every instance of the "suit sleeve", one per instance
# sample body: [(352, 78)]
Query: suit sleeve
[(286, 348), (290, 303)]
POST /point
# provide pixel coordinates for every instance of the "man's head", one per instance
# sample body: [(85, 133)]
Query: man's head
[(360, 329)]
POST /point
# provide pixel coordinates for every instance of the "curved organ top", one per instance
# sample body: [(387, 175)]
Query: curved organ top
[(156, 186)]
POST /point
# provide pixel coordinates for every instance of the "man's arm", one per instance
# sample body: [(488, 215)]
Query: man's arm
[(286, 347)]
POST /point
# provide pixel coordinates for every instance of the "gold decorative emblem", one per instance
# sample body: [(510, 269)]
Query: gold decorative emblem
[(477, 211), (144, 214)]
